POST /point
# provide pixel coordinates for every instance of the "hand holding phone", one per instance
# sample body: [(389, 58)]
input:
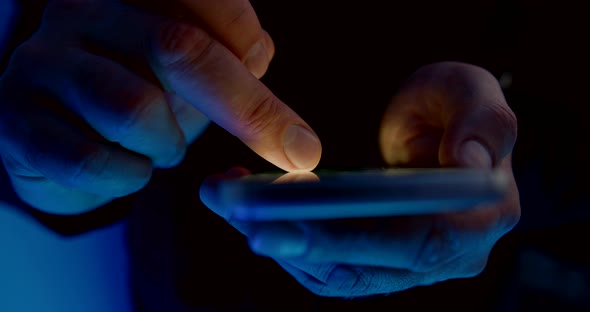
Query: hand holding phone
[(370, 233)]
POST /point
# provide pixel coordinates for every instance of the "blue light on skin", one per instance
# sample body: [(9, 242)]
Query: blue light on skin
[(42, 271), (7, 12)]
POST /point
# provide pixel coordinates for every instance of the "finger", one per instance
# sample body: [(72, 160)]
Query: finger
[(270, 45), (464, 107), (235, 24), (45, 147), (209, 195), (412, 243), (51, 197), (208, 76), (121, 106), (341, 280), (461, 104), (492, 220), (191, 122), (337, 280), (417, 243), (232, 22)]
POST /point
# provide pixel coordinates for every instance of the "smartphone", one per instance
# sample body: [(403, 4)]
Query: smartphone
[(359, 194)]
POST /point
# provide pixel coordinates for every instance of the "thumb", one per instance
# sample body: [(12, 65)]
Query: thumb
[(455, 111), (481, 128), (474, 154), (479, 135)]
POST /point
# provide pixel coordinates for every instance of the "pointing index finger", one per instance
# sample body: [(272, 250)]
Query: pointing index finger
[(211, 78)]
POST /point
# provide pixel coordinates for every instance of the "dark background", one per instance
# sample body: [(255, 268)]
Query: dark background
[(338, 64)]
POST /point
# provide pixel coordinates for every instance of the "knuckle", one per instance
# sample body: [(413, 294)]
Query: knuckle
[(30, 49), (439, 246), (27, 57), (137, 111), (353, 283), (313, 285), (12, 165), (357, 286), (475, 268), (505, 118), (73, 166), (237, 15), (33, 155), (89, 73), (178, 44), (258, 117), (321, 289), (87, 164)]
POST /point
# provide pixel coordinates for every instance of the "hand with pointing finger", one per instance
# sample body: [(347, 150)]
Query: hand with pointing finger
[(105, 91)]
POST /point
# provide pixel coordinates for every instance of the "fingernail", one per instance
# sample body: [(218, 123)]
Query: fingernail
[(302, 147), (257, 60), (474, 154), (281, 242), (176, 156), (269, 45)]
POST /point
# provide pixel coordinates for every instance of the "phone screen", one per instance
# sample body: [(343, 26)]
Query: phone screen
[(354, 194)]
